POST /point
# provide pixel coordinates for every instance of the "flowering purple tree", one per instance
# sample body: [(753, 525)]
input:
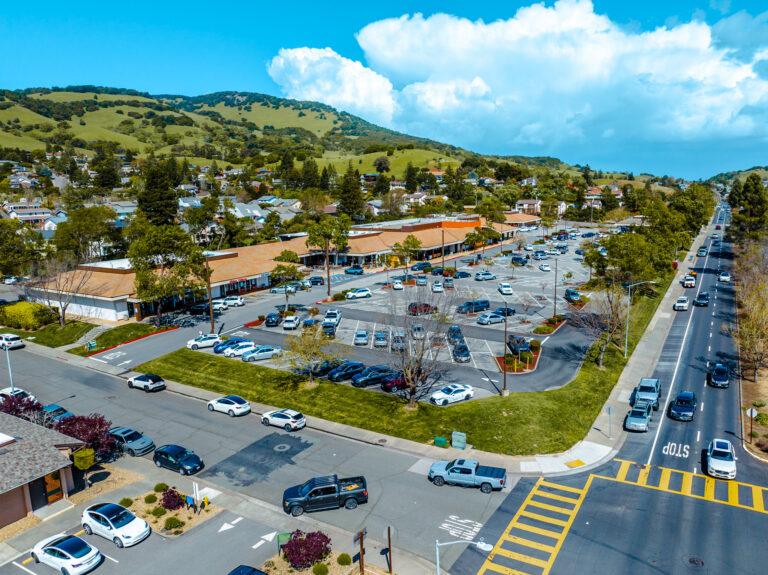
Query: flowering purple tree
[(305, 549)]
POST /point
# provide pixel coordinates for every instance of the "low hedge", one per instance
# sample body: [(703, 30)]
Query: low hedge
[(27, 315)]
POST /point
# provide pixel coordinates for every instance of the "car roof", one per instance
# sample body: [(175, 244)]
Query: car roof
[(68, 543), (109, 510), (686, 395), (121, 430), (723, 444), (171, 448)]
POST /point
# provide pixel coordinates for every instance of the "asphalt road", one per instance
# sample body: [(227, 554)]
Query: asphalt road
[(243, 456), (652, 509)]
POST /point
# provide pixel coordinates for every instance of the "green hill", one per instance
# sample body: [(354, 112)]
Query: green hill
[(726, 177)]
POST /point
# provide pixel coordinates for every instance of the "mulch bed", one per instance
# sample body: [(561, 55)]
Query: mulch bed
[(520, 366)]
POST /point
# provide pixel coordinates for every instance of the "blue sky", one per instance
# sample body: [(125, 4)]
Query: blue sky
[(591, 86)]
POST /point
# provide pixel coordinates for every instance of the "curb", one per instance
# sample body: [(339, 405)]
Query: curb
[(145, 336)]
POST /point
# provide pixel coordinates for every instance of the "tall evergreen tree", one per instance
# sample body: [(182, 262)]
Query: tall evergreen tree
[(325, 179), (381, 187), (411, 178), (351, 200), (158, 199), (310, 177)]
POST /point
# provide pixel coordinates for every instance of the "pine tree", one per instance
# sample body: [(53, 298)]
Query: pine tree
[(411, 178), (351, 198), (309, 174), (381, 187), (325, 179)]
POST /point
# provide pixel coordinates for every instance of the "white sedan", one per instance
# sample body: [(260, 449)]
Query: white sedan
[(66, 554), (505, 288), (15, 392), (490, 318), (239, 349), (397, 285), (724, 277), (452, 393), (261, 352), (545, 267), (10, 341), (359, 293), (437, 287), (288, 419), (116, 523), (203, 340), (721, 459), (147, 382), (232, 405)]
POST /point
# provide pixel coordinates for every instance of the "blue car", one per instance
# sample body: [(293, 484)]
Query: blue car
[(354, 271), (462, 274), (226, 344), (54, 413)]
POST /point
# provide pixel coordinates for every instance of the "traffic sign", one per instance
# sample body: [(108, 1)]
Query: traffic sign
[(752, 413)]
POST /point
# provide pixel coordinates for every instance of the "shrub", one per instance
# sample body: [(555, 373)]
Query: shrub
[(158, 512), (126, 502), (535, 345), (262, 317), (320, 569), (313, 311), (151, 498), (526, 357), (761, 419), (340, 296), (172, 523), (305, 549), (27, 315), (344, 559), (171, 499), (160, 487), (543, 329), (758, 404)]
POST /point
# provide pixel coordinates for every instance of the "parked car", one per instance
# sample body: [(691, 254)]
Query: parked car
[(311, 321), (528, 247), (517, 344), (461, 353), (147, 382), (420, 308), (724, 277), (398, 342), (234, 301), (649, 389), (418, 332), (66, 554), (222, 346), (130, 441), (397, 285), (317, 280), (421, 281), (232, 405), (380, 339), (262, 352), (15, 392), (484, 276), (454, 334), (239, 349), (332, 316), (719, 377), (420, 266), (177, 458), (545, 267), (273, 319), (701, 300), (518, 260), (467, 473), (323, 368), (721, 459), (291, 322), (246, 570), (204, 340), (329, 330), (289, 289), (354, 270), (359, 293), (452, 393), (288, 419), (10, 341), (639, 416), (361, 337), (683, 407), (437, 287), (116, 523), (394, 382), (54, 413), (448, 283), (505, 288), (681, 304), (373, 375), (328, 492), (346, 370), (461, 275), (438, 271), (490, 318), (504, 311), (219, 305), (572, 296), (474, 306)]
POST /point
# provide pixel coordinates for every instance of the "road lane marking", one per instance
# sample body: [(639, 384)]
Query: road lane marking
[(623, 470), (698, 435), (642, 478), (236, 521), (24, 568), (259, 544), (529, 543), (702, 407), (110, 558), (27, 561)]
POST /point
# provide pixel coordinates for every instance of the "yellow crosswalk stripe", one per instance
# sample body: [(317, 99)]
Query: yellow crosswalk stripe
[(529, 543), (543, 518), (500, 569), (556, 497), (561, 487), (687, 486), (642, 479), (549, 507), (733, 493), (757, 498), (522, 558), (666, 475), (623, 469), (538, 530), (709, 489)]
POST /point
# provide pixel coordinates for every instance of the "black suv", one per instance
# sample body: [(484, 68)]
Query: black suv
[(273, 319), (475, 306), (454, 334), (518, 344)]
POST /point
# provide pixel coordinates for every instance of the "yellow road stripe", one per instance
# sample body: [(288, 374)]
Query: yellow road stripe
[(530, 543), (757, 499), (567, 527), (538, 530), (556, 497), (500, 569), (642, 479), (733, 493), (560, 487), (687, 487), (548, 507), (543, 518), (522, 558), (709, 489), (623, 470), (666, 474), (79, 533), (27, 561)]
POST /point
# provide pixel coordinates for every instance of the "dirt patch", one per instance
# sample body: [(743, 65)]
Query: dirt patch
[(279, 566), (755, 394), (18, 527), (186, 515), (104, 479)]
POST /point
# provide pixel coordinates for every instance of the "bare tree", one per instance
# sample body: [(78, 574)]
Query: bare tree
[(303, 352), (58, 282), (603, 318)]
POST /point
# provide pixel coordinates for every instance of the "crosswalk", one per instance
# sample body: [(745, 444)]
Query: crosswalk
[(532, 540), (734, 493)]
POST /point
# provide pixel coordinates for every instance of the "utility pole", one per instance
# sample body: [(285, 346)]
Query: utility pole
[(554, 311), (10, 374), (442, 232), (504, 390)]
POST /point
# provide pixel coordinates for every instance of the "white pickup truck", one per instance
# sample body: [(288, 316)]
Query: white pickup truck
[(332, 317), (689, 281)]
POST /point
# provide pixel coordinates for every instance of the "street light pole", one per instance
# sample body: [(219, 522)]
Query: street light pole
[(504, 390), (481, 545), (554, 310), (10, 374), (629, 309)]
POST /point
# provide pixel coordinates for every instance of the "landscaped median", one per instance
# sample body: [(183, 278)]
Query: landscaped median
[(53, 335), (118, 336), (520, 424)]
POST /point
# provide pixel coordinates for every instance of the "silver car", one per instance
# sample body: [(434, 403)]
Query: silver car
[(380, 339), (639, 417), (418, 331), (361, 337)]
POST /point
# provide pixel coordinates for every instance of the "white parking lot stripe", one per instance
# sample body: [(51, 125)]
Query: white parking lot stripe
[(20, 566), (110, 558)]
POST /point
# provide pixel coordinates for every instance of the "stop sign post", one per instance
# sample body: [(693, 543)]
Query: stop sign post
[(752, 414)]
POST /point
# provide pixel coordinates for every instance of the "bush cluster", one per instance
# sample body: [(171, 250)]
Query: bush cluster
[(320, 569), (305, 549), (526, 357), (126, 502), (158, 512), (340, 296), (171, 499), (344, 559), (172, 523), (535, 345), (160, 487), (150, 499), (27, 315)]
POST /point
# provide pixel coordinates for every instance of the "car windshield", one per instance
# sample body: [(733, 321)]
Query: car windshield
[(122, 519), (722, 455), (684, 402), (647, 389), (640, 413), (73, 546), (447, 390), (720, 372), (56, 411), (132, 436)]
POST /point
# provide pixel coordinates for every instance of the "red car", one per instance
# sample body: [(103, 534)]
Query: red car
[(415, 308), (718, 227), (395, 383)]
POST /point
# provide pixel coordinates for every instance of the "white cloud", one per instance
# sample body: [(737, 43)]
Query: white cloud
[(560, 79)]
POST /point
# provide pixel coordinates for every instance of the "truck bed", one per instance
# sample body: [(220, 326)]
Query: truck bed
[(490, 472)]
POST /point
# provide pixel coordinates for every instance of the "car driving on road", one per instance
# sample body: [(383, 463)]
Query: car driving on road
[(232, 405), (683, 407), (701, 300), (359, 293), (10, 341), (724, 277), (484, 276), (719, 377), (329, 492), (116, 523), (681, 304), (147, 382), (288, 419), (721, 459)]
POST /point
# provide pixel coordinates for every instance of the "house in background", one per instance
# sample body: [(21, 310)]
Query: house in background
[(35, 468), (528, 206)]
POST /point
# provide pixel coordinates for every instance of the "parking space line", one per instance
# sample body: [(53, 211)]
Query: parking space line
[(24, 568), (110, 558)]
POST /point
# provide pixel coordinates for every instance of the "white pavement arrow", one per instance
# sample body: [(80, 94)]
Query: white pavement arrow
[(269, 536), (226, 527)]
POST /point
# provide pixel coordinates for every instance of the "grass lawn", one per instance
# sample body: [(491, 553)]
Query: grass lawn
[(521, 424), (54, 335), (117, 335)]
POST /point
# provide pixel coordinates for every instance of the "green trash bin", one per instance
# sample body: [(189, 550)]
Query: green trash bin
[(441, 441)]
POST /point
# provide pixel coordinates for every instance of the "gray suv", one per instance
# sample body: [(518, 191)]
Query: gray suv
[(649, 389), (132, 442)]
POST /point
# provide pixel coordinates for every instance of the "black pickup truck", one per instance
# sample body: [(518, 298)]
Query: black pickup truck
[(329, 492)]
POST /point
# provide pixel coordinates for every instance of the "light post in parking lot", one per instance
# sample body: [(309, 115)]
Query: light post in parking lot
[(8, 360), (504, 390), (629, 309)]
